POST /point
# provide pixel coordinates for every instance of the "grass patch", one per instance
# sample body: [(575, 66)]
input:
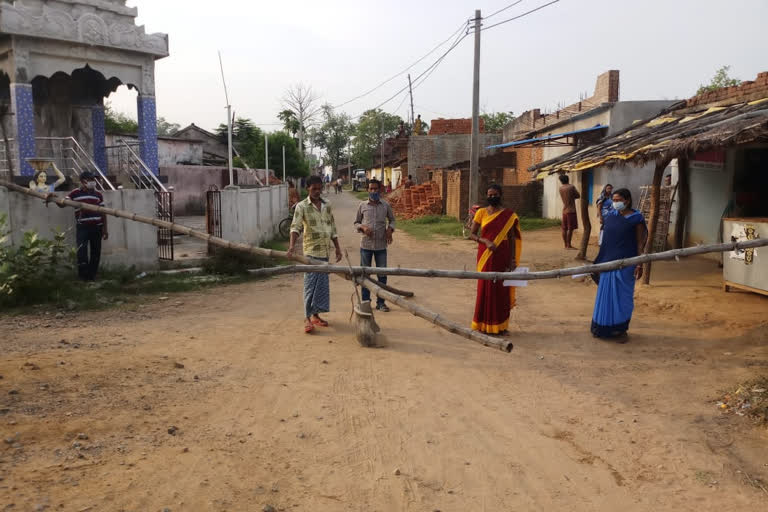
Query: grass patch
[(534, 223), (431, 225), (440, 225), (361, 195), (114, 287)]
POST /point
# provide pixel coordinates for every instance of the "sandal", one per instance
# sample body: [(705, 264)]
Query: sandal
[(308, 328), (320, 322)]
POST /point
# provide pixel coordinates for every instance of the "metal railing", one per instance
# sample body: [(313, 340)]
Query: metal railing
[(68, 155), (130, 165)]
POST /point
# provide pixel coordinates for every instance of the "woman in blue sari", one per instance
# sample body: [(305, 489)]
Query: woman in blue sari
[(624, 235)]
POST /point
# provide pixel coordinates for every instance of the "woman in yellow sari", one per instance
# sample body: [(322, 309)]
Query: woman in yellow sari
[(497, 231)]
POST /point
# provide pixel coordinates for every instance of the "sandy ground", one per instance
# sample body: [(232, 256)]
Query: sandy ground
[(261, 414)]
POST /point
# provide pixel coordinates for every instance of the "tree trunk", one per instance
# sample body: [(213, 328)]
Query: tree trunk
[(585, 220), (653, 222), (684, 194)]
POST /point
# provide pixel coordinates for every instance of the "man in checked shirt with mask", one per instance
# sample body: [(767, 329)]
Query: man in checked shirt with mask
[(376, 221)]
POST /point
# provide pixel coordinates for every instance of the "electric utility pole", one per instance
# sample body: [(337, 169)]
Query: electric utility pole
[(229, 122), (382, 149), (474, 152), (266, 160), (349, 162), (410, 91), (283, 163)]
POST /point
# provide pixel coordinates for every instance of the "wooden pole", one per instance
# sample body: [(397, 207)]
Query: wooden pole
[(653, 222), (436, 319), (672, 254), (586, 222), (684, 193)]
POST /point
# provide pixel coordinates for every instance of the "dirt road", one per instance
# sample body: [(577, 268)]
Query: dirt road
[(217, 401)]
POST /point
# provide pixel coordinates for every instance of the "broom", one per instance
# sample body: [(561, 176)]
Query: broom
[(366, 327)]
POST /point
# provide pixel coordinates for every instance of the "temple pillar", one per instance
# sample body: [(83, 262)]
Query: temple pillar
[(147, 117), (23, 122), (99, 137)]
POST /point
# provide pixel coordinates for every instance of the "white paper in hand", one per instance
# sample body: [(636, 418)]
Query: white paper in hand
[(517, 283)]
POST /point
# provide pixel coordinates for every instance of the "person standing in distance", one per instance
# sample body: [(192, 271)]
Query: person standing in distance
[(569, 195), (376, 221), (314, 216), (91, 228)]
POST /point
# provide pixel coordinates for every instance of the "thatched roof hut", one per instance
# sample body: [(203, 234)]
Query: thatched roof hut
[(718, 119)]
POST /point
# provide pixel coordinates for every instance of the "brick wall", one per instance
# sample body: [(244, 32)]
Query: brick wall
[(526, 199), (748, 91), (453, 126), (526, 157), (606, 91), (428, 152)]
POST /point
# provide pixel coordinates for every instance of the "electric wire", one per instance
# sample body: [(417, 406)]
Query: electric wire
[(428, 70), (503, 9), (520, 15), (385, 82)]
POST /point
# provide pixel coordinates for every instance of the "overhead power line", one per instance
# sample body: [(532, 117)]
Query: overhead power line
[(385, 82), (504, 9), (428, 70), (520, 15)]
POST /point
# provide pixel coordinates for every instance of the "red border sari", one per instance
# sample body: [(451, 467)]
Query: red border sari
[(494, 300)]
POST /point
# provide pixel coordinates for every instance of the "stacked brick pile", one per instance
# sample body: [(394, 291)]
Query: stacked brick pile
[(418, 201)]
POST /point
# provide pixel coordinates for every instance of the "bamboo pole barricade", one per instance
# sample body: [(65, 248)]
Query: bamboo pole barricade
[(362, 274), (390, 294)]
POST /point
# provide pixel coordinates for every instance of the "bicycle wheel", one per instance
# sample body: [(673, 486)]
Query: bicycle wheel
[(285, 227)]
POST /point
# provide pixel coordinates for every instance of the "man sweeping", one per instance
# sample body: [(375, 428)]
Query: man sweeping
[(314, 217)]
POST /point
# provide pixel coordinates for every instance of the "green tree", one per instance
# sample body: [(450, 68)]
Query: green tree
[(290, 122), (720, 80), (166, 128), (368, 135), (117, 122), (249, 141), (295, 165), (332, 135), (494, 122)]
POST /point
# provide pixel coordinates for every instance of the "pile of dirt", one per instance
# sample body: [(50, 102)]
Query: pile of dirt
[(749, 399)]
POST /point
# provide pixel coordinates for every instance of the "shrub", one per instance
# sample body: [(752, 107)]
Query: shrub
[(32, 269)]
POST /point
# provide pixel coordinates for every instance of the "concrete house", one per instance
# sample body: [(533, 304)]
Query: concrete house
[(536, 137)]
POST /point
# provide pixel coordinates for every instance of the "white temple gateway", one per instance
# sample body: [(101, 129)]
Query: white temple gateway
[(59, 59)]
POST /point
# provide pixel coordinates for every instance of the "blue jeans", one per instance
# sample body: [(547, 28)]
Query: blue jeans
[(366, 257)]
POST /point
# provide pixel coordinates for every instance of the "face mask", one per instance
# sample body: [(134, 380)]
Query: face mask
[(619, 205), (90, 185), (374, 196), (494, 200)]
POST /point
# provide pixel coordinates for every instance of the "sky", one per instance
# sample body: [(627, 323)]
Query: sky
[(664, 49)]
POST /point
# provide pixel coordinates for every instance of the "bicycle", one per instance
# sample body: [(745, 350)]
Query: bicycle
[(466, 229), (284, 228)]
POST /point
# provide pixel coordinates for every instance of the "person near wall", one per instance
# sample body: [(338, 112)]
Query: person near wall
[(497, 231), (624, 236), (604, 207), (409, 182), (314, 217), (90, 227), (376, 221), (569, 195)]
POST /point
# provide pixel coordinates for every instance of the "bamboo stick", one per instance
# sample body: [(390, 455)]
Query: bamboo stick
[(436, 319), (672, 254)]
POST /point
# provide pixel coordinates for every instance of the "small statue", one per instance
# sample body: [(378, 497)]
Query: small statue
[(39, 183)]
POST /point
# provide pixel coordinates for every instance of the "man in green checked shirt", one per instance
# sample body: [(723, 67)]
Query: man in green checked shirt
[(315, 217)]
